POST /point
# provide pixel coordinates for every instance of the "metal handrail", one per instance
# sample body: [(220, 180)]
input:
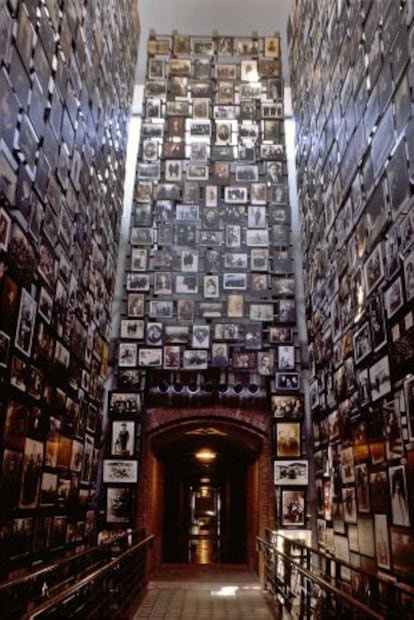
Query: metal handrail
[(324, 585), (398, 586), (51, 568), (89, 579)]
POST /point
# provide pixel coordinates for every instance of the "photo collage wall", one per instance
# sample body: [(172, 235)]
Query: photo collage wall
[(209, 281), (63, 129), (352, 85)]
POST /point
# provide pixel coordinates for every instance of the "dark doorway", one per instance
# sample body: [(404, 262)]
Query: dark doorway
[(205, 503)]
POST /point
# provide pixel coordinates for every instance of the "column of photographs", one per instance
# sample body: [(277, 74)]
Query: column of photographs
[(58, 244), (120, 467), (210, 280), (356, 175)]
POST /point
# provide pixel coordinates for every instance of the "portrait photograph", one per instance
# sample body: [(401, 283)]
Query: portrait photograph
[(5, 229), (292, 507), (172, 356), (286, 357), (235, 306), (219, 355), (120, 471), (374, 269), (4, 349), (211, 286), (243, 360), (265, 363), (280, 335), (362, 343), (119, 504), (377, 321), (288, 439), (25, 323), (137, 282), (138, 259), (31, 473), (400, 511), (409, 276), (382, 541)]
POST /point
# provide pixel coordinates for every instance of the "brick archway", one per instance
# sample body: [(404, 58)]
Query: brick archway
[(248, 429)]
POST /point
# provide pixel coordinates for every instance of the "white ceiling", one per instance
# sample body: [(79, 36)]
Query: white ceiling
[(204, 17)]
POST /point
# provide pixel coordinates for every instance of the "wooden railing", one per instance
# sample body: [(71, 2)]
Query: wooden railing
[(312, 585), (104, 593), (21, 594)]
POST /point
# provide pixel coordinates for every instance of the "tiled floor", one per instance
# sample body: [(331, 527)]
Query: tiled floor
[(204, 592)]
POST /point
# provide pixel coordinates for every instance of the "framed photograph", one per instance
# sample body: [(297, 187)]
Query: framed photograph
[(172, 357), (135, 304), (187, 283), (272, 47), (154, 333), (5, 229), (123, 438), (280, 335), (138, 259), (349, 504), (225, 46), (189, 213), (292, 507), (198, 151), (257, 237), (122, 471), (259, 259), (374, 269), (287, 381), (377, 322), (127, 354), (379, 378), (233, 235), (258, 193), (210, 286), (362, 343), (282, 287), (132, 329), (163, 309), (382, 541), (159, 46), (200, 336), (409, 276), (288, 439), (234, 195), (261, 312), (409, 405), (119, 504), (258, 283), (256, 217), (291, 473), (195, 359), (150, 357), (202, 46), (122, 403), (362, 487), (286, 357), (211, 200), (290, 406), (234, 281), (202, 68), (286, 311), (25, 323), (399, 496), (162, 283), (197, 172), (235, 305), (224, 132), (31, 473), (394, 297), (225, 92), (226, 331), (219, 355), (185, 310), (243, 360), (177, 334), (137, 282)]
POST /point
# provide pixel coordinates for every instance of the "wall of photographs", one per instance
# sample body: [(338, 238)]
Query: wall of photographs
[(209, 277), (352, 83), (66, 79)]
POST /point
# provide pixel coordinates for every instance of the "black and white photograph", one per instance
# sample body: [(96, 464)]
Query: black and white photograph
[(291, 473), (374, 269), (362, 343), (400, 512), (261, 312), (394, 297), (234, 281), (119, 504), (132, 329), (287, 381), (201, 336), (257, 237), (195, 359), (25, 323), (286, 357), (150, 357), (293, 507), (265, 363), (409, 276), (123, 471), (127, 355), (379, 378), (5, 229)]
